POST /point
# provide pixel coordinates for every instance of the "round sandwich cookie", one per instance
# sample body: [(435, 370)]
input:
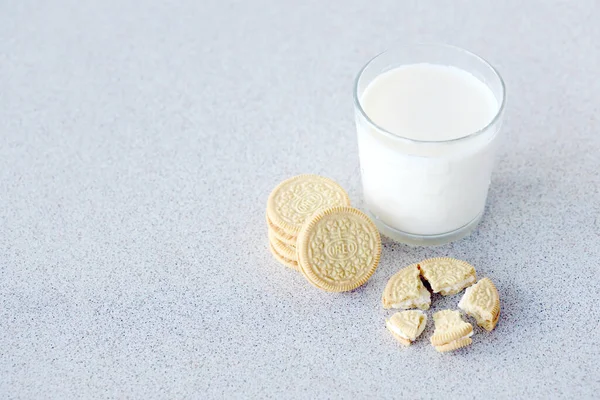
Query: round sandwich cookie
[(286, 251), (339, 249), (283, 260), (295, 200)]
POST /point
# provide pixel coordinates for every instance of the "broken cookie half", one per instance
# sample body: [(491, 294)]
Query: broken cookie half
[(447, 275), (405, 290), (451, 332), (407, 326), (482, 302)]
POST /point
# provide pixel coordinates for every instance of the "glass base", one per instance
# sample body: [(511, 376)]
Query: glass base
[(425, 240)]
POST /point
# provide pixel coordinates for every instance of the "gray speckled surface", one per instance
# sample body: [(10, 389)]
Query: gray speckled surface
[(140, 141)]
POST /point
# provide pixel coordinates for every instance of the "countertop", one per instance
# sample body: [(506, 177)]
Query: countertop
[(139, 143)]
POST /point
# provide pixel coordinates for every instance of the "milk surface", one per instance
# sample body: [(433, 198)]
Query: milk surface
[(435, 187), (429, 102)]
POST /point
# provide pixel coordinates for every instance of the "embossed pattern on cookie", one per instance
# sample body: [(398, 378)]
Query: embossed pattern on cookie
[(405, 290), (482, 302), (447, 275), (295, 200), (339, 249), (406, 326)]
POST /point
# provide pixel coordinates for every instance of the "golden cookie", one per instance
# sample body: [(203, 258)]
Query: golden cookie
[(482, 302), (447, 275), (286, 251), (449, 327), (295, 200), (403, 341), (283, 237), (285, 261), (405, 290), (406, 326), (339, 249), (455, 345)]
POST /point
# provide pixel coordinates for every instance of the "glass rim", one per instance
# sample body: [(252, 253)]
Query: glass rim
[(439, 45)]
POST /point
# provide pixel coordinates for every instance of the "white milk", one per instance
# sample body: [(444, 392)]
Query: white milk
[(427, 188)]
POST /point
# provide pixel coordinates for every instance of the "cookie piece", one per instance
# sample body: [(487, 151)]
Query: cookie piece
[(447, 275), (339, 249), (406, 326), (482, 302), (451, 332), (295, 200), (455, 345), (405, 290)]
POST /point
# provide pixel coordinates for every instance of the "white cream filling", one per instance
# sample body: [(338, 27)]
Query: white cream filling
[(400, 333), (421, 327), (458, 286), (480, 316), (424, 298), (462, 304)]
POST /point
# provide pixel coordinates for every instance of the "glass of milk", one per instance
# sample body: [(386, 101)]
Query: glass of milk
[(428, 118)]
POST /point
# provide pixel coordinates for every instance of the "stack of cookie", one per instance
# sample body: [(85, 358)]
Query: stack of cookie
[(313, 229), (282, 246), (290, 204)]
